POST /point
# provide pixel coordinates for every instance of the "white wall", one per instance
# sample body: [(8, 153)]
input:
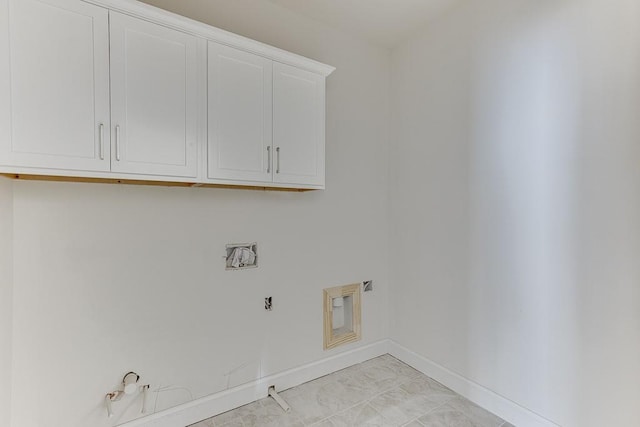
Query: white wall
[(116, 278), (515, 216), (6, 290), (515, 193)]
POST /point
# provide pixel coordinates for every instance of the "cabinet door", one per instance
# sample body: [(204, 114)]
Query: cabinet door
[(154, 95), (54, 91), (298, 126), (240, 114)]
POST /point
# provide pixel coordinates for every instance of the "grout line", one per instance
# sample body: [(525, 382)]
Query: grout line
[(437, 407), (384, 391), (377, 412), (367, 401), (416, 420)]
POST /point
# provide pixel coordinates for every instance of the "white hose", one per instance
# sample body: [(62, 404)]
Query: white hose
[(272, 392)]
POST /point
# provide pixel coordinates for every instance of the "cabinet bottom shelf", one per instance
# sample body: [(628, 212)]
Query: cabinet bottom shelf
[(27, 177)]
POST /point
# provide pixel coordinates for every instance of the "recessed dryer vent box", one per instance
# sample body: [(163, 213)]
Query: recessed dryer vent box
[(241, 256)]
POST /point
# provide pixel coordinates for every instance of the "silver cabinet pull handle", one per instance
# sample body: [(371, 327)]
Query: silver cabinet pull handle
[(101, 140), (269, 159), (278, 159), (118, 143)]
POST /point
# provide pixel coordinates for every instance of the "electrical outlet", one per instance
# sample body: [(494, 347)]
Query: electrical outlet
[(367, 285), (268, 305)]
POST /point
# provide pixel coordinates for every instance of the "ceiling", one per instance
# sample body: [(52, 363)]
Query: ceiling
[(382, 22)]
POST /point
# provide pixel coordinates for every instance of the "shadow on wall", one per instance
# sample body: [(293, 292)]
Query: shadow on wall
[(530, 114), (553, 204)]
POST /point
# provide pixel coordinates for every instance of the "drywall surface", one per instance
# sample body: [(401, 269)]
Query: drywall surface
[(111, 278), (6, 290), (515, 194)]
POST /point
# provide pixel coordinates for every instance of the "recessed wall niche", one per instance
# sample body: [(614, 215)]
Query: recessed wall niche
[(342, 317)]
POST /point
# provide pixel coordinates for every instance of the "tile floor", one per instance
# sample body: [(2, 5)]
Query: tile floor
[(379, 392)]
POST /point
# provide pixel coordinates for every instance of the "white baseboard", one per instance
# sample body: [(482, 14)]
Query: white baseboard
[(206, 407), (501, 406)]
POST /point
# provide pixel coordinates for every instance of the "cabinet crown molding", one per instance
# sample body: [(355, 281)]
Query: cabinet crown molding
[(200, 29)]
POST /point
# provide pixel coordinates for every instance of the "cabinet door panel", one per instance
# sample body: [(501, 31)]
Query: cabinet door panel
[(58, 85), (298, 125), (154, 84), (240, 115)]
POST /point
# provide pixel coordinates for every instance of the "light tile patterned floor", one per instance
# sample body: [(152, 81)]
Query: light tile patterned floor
[(380, 392)]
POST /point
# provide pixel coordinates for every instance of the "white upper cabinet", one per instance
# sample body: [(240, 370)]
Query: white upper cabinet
[(54, 85), (120, 90), (240, 115), (298, 125), (155, 98)]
